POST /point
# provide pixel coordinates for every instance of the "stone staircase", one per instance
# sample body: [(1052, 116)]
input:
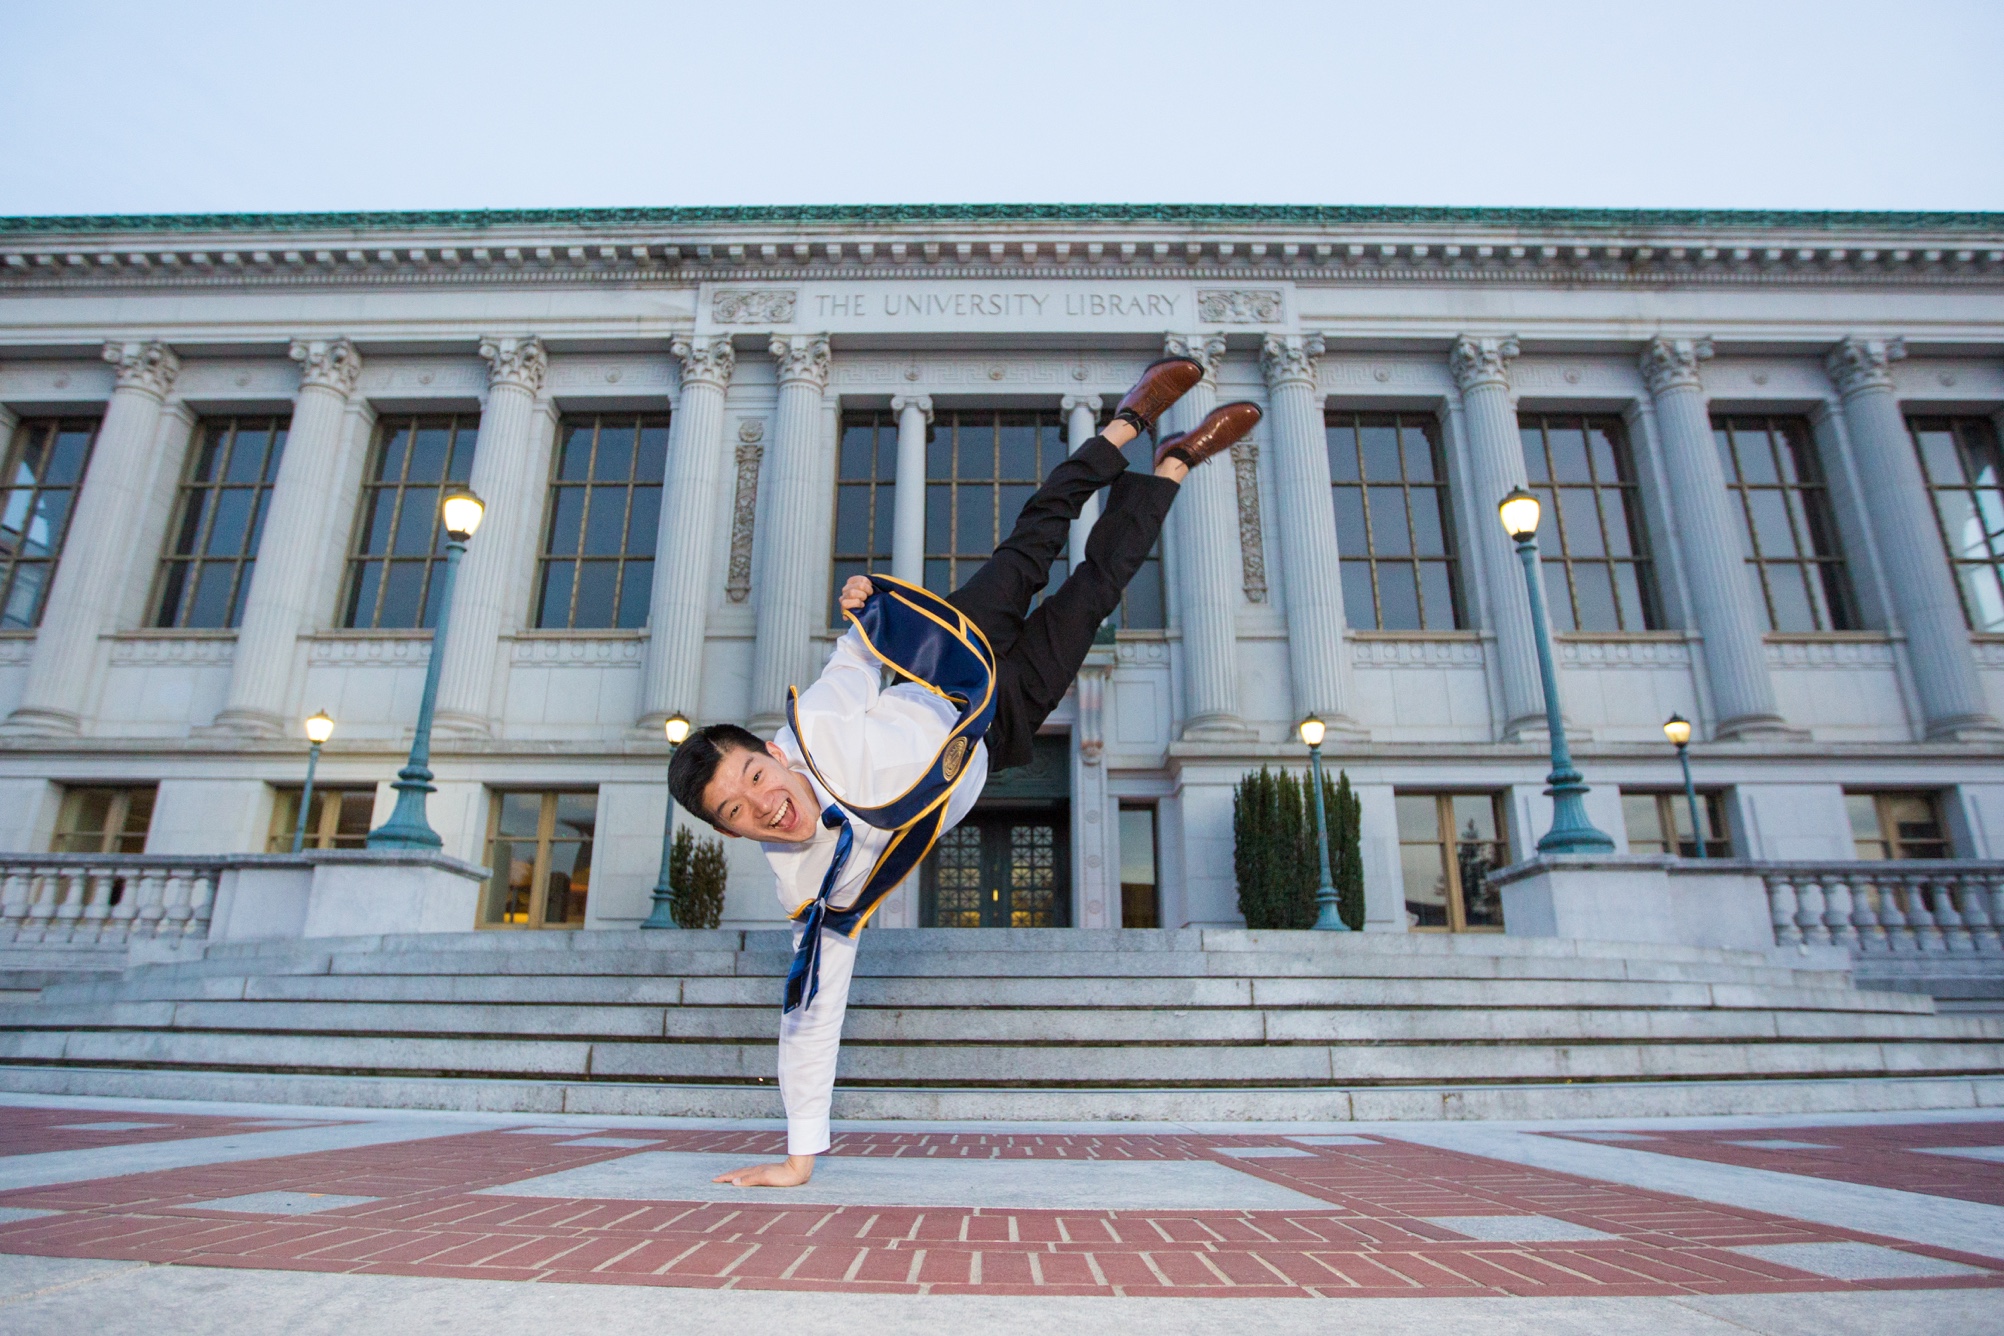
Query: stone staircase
[(1059, 1025)]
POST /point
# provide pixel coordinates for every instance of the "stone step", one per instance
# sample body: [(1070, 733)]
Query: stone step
[(871, 1023), (599, 990), (1367, 1062), (1335, 1103)]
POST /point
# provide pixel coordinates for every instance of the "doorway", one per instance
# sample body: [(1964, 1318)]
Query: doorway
[(1009, 864)]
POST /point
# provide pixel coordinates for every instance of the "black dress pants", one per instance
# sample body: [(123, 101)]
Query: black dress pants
[(1038, 653)]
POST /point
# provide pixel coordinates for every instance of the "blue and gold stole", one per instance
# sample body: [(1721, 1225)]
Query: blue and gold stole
[(927, 640)]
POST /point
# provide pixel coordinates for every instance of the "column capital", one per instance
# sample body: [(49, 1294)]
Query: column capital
[(705, 361), (332, 364), (922, 402), (1475, 361), (1672, 364), (802, 358), (151, 367), (1207, 350), (520, 362), (1289, 359), (1859, 364), (1073, 402)]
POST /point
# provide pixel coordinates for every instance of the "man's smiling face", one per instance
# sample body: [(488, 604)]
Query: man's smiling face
[(756, 794)]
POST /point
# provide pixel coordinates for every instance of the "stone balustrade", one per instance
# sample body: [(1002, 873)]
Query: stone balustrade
[(1908, 907), (105, 899)]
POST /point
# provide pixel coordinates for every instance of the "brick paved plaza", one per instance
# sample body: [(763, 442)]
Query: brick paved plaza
[(109, 1209)]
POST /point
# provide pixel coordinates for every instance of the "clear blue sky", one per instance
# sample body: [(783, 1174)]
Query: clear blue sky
[(118, 106)]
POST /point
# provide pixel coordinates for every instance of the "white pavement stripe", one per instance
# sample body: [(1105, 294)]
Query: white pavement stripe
[(1941, 1222), (76, 1166)]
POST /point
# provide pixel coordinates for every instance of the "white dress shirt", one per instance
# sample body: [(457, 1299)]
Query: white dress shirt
[(871, 743)]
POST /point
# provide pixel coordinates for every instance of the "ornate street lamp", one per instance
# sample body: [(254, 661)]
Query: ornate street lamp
[(407, 828), (1327, 918), (1678, 729), (318, 729), (661, 916), (1571, 832)]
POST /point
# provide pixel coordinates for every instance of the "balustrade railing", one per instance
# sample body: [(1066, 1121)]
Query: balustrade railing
[(1910, 907), (109, 899)]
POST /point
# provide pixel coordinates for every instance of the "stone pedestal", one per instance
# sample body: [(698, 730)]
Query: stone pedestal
[(679, 603), (288, 555), (346, 893), (98, 555)]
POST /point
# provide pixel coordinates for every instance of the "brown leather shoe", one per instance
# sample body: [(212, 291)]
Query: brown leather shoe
[(1225, 427), (1162, 384)]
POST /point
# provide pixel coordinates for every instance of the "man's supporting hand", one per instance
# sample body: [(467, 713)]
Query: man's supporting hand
[(856, 591), (796, 1169)]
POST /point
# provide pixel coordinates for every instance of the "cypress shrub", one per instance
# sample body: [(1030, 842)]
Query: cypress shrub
[(1274, 854), (697, 876)]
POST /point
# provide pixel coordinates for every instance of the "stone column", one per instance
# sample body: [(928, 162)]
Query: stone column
[(1081, 424), (679, 603), (1899, 509), (1709, 537), (97, 554), (789, 570), (1481, 368), (288, 554), (1205, 526), (1317, 657), (908, 518), (505, 477)]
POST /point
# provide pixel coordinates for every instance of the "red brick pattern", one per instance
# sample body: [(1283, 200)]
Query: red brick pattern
[(27, 1131), (1368, 1241), (1880, 1157)]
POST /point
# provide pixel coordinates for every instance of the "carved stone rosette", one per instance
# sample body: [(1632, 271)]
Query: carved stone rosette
[(331, 364), (1859, 364), (518, 362), (1672, 364), (744, 514), (1252, 543), (1477, 361), (1290, 358), (705, 361), (802, 359), (1208, 351), (151, 367)]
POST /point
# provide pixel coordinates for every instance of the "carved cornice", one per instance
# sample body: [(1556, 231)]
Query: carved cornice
[(1290, 359), (518, 362), (1672, 364), (802, 358), (331, 364), (1477, 361), (151, 367), (705, 361), (922, 402), (1208, 350), (1859, 364)]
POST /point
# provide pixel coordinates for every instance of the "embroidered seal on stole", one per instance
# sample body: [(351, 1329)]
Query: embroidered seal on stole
[(956, 756)]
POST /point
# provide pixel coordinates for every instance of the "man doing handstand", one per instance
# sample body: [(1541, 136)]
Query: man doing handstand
[(847, 797)]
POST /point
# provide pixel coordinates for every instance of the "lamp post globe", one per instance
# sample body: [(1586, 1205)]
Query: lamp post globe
[(662, 915), (460, 513), (319, 728), (1328, 917), (1678, 729), (1571, 832)]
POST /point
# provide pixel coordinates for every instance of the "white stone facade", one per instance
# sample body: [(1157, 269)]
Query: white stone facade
[(759, 329)]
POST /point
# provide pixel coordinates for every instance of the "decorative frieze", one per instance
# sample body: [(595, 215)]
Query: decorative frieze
[(151, 367), (744, 511), (1240, 306), (1252, 547), (1588, 652), (621, 373), (331, 364), (410, 651), (1141, 653), (575, 651), (154, 651), (423, 376), (1378, 651), (753, 306), (1877, 654)]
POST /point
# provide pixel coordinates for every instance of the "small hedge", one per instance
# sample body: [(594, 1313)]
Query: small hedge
[(1274, 855), (696, 880)]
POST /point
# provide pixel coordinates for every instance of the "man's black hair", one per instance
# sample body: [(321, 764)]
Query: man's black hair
[(697, 759)]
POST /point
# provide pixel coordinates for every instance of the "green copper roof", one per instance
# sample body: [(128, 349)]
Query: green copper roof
[(1279, 215)]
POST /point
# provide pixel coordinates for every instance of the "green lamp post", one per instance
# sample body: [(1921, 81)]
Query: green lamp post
[(662, 914), (318, 729), (1678, 729), (1327, 917)]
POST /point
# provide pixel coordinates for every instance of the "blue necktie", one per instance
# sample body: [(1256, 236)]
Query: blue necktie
[(803, 977)]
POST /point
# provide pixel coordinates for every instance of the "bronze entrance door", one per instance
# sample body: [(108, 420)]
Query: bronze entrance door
[(1000, 869)]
